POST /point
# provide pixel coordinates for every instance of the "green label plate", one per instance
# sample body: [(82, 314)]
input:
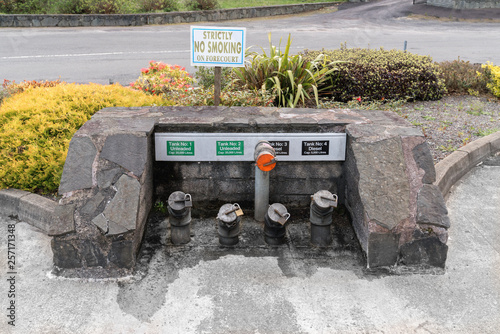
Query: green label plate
[(230, 147), (180, 147)]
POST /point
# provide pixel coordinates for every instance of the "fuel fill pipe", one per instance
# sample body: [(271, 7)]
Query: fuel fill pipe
[(322, 204), (179, 209), (265, 161)]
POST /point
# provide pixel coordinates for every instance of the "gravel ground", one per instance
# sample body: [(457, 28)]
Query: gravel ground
[(453, 121)]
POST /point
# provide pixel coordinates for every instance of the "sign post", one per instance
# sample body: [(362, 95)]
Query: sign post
[(217, 84), (218, 47)]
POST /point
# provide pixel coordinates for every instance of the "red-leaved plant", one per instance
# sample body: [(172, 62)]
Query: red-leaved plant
[(160, 78)]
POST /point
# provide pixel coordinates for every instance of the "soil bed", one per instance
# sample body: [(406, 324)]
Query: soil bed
[(453, 121)]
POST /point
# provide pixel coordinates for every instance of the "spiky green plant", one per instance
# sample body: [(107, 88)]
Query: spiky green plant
[(292, 78)]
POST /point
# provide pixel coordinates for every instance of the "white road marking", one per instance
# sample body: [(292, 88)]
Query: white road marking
[(95, 54)]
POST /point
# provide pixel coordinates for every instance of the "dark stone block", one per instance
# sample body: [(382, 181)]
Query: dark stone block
[(352, 197), (426, 251), (90, 208), (122, 210), (122, 254), (431, 208), (66, 255), (423, 158), (63, 221), (383, 182), (93, 255), (128, 151), (107, 177), (382, 249), (77, 172)]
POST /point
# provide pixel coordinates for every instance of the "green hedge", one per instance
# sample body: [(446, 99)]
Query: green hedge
[(382, 74)]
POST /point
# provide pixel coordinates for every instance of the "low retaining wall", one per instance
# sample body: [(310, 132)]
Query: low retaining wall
[(365, 140), (110, 179), (37, 211), (456, 165), (74, 20), (465, 4)]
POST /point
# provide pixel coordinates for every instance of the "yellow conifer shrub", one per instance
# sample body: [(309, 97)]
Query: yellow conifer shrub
[(37, 125), (493, 73)]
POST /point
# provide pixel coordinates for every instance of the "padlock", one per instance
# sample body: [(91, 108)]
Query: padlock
[(333, 201), (188, 201), (238, 211), (282, 218)]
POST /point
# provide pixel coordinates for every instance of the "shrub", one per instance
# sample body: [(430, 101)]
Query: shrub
[(381, 74), (205, 76), (22, 6), (11, 87), (201, 4), (37, 125), (492, 72), (3, 95), (86, 6), (292, 78), (66, 7), (104, 6), (160, 78), (229, 98), (461, 77), (159, 5)]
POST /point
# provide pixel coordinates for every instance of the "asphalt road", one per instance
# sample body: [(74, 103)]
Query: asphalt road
[(104, 54)]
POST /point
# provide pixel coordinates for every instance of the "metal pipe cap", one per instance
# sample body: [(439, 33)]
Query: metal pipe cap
[(178, 201), (278, 213), (228, 213), (324, 199)]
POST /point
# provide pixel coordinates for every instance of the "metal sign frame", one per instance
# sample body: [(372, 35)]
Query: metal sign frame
[(218, 46), (241, 146)]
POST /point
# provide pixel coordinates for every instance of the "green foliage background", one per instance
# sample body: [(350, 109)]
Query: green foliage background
[(382, 74)]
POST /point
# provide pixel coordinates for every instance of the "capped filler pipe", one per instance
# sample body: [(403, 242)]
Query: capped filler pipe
[(322, 204), (229, 224), (179, 209), (275, 224), (265, 161)]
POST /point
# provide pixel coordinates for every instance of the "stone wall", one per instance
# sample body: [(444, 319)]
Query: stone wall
[(398, 214), (110, 180), (73, 20), (465, 4)]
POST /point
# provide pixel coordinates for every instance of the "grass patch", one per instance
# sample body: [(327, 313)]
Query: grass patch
[(486, 132)]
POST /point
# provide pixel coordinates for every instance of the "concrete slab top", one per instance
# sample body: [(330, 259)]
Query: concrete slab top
[(143, 119)]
